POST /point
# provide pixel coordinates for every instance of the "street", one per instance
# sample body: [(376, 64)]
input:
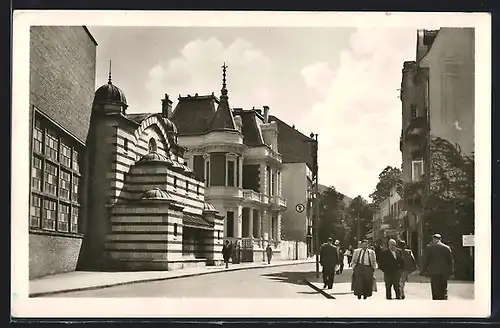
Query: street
[(273, 282)]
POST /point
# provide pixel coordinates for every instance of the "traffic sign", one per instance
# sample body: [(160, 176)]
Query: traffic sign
[(300, 208), (468, 240)]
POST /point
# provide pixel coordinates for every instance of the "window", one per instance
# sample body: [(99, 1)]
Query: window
[(36, 174), (75, 215), (75, 195), (49, 214), (414, 112), (230, 173), (417, 170), (197, 189), (218, 234), (207, 173), (51, 144), (268, 172), (63, 219), (38, 137), (187, 186), (238, 184), (65, 155), (50, 179), (175, 229), (76, 161), (229, 224), (175, 182), (152, 145), (65, 185), (35, 211)]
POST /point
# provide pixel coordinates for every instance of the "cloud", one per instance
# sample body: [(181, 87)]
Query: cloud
[(359, 117), (197, 69)]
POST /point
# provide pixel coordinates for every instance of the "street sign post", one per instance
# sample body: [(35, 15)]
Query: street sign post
[(300, 208), (468, 241)]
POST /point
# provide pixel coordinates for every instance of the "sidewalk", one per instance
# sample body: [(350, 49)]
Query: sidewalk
[(88, 280), (417, 287)]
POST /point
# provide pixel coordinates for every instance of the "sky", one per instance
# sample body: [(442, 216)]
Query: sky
[(341, 83)]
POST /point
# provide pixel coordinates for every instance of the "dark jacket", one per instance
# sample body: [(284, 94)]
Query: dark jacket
[(410, 262), (329, 256), (388, 264), (226, 251), (437, 260)]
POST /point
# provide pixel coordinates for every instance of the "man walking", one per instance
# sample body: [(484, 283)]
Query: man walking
[(340, 265), (364, 263), (329, 259), (391, 262), (226, 252), (438, 264), (410, 265)]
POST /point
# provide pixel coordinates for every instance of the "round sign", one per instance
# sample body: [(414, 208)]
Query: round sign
[(300, 208)]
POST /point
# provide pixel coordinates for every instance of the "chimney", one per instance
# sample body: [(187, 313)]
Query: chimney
[(166, 107), (266, 114)]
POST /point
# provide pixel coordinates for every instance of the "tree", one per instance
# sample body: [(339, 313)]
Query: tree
[(331, 210), (449, 201), (387, 178), (359, 208)]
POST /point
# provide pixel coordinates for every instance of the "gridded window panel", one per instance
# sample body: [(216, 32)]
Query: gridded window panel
[(65, 185), (75, 214), (75, 196), (49, 214), (50, 179), (35, 211), (51, 144), (76, 161), (65, 154), (36, 174), (38, 139), (63, 218)]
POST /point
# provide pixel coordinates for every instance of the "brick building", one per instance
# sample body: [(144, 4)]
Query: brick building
[(437, 95), (146, 208), (235, 151), (62, 82)]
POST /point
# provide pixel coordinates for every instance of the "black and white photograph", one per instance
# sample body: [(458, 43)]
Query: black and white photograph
[(225, 164)]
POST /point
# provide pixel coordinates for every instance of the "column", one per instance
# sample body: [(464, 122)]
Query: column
[(270, 224), (250, 222), (263, 179), (241, 172), (238, 216), (278, 226)]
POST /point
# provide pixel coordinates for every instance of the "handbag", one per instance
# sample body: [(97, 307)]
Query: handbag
[(374, 285)]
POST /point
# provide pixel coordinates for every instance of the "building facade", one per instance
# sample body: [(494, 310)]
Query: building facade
[(62, 85), (388, 220), (298, 188), (437, 94), (146, 207), (235, 152)]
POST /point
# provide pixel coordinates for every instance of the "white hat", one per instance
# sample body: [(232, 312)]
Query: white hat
[(337, 242)]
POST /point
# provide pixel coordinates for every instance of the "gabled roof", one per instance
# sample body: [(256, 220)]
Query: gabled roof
[(250, 129), (194, 115)]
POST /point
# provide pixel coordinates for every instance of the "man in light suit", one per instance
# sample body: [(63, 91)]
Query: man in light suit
[(438, 264), (364, 263)]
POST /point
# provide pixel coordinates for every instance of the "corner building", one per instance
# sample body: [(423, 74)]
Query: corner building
[(62, 85), (146, 208), (235, 151)]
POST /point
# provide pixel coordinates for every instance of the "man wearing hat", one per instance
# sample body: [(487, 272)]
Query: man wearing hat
[(437, 263), (329, 259)]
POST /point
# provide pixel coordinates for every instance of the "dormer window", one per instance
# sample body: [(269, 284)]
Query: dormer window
[(152, 145)]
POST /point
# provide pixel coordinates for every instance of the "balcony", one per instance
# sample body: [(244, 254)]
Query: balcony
[(413, 195), (278, 201), (262, 152), (416, 130), (223, 192)]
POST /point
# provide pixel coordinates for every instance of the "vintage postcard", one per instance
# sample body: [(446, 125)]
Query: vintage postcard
[(251, 164)]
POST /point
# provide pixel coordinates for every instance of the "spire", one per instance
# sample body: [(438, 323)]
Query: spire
[(109, 77), (224, 87)]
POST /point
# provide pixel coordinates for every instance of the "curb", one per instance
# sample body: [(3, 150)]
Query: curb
[(187, 275), (321, 291)]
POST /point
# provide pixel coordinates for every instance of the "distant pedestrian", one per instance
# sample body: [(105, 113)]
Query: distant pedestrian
[(438, 265), (348, 254), (340, 265), (391, 262), (410, 265), (329, 259), (269, 253), (364, 263), (226, 252)]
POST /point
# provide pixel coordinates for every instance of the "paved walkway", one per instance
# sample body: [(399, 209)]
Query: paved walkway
[(88, 280), (417, 287)]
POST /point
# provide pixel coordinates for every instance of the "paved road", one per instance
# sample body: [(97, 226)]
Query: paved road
[(272, 282)]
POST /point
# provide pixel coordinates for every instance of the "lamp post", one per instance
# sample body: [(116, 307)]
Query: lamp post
[(316, 201)]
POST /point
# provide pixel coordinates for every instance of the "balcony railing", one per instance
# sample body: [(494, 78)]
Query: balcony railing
[(223, 192), (252, 195), (253, 242), (279, 201)]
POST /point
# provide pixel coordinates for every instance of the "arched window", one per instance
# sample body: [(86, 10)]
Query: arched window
[(175, 229), (152, 145)]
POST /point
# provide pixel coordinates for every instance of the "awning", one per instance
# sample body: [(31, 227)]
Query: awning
[(193, 221)]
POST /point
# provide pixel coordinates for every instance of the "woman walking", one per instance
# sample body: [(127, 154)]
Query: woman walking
[(410, 265), (348, 254)]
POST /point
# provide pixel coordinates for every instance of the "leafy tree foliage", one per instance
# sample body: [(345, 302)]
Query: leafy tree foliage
[(387, 178), (331, 214), (359, 208), (449, 203)]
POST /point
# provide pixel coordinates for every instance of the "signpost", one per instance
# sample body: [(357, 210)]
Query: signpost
[(468, 241)]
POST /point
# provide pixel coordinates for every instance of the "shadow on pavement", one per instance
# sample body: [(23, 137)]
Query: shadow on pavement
[(291, 277)]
